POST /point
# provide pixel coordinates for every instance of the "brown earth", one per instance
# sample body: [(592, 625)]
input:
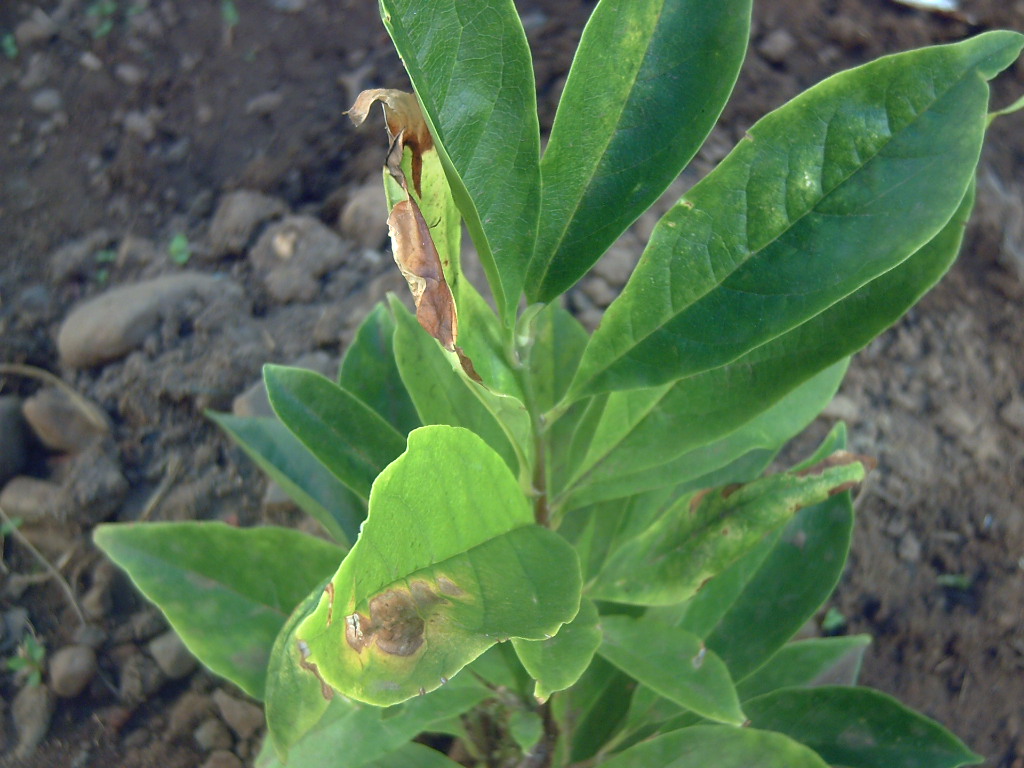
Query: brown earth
[(124, 124)]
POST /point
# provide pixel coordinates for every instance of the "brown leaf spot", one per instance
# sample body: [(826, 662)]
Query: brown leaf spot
[(405, 122), (395, 623), (467, 366), (417, 258), (325, 690), (449, 587)]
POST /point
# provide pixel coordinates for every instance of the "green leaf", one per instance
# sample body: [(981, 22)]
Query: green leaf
[(698, 410), (558, 344), (448, 563), (289, 464), (345, 434), (794, 580), (351, 735), (859, 728), (597, 705), (471, 68), (674, 663), (616, 466), (525, 727), (882, 154), (369, 372), (558, 662), (812, 662), (411, 755), (226, 591), (648, 82), (480, 335), (441, 395), (718, 746), (700, 536), (294, 701)]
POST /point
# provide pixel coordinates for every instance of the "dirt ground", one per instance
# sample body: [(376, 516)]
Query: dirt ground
[(125, 125)]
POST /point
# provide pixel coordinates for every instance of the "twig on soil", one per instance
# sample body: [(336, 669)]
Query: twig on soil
[(170, 475), (54, 573), (95, 416)]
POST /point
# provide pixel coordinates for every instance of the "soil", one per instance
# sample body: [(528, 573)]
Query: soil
[(123, 128)]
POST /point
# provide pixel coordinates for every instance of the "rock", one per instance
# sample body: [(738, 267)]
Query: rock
[(237, 219), (94, 487), (211, 734), (222, 758), (32, 710), (141, 125), (47, 101), (191, 708), (598, 291), (842, 408), (617, 264), (37, 28), (115, 322), (58, 422), (77, 259), (31, 499), (847, 32), (264, 104), (71, 669), (294, 254), (139, 676), (90, 635), (909, 548), (776, 46), (364, 219), (171, 655), (13, 450), (242, 717), (1013, 414), (129, 74)]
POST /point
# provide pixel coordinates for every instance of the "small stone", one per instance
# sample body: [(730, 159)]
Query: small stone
[(90, 635), (90, 61), (115, 322), (72, 668), (847, 32), (37, 28), (776, 46), (598, 291), (1013, 414), (129, 74), (189, 710), (364, 219), (909, 548), (32, 710), (957, 420), (47, 101), (141, 125), (617, 264), (58, 422), (94, 486), (13, 450), (842, 408), (211, 734), (264, 104), (243, 718), (222, 758), (253, 402), (171, 655), (238, 217), (31, 499), (139, 677)]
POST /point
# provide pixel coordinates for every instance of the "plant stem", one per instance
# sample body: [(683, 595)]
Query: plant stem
[(543, 751)]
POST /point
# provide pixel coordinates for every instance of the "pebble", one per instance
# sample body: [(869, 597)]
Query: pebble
[(38, 70), (264, 104), (77, 259), (32, 710), (112, 324), (171, 655), (222, 758), (141, 125), (211, 734), (242, 717), (71, 670), (364, 219), (139, 677), (598, 291), (13, 450), (294, 254), (31, 499), (94, 486), (777, 45), (47, 101), (239, 215), (58, 422), (842, 408), (91, 61), (37, 28), (1013, 414), (909, 548), (90, 635), (189, 710), (617, 264), (129, 74), (847, 32)]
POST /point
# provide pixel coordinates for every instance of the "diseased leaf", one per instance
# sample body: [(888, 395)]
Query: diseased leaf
[(674, 663), (307, 482), (448, 563), (719, 746), (557, 662), (226, 591), (648, 81), (471, 69), (859, 728), (774, 235), (412, 242), (368, 370), (341, 431), (702, 534)]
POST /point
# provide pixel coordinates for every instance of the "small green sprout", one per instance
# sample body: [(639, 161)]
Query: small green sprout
[(179, 249), (834, 621), (30, 660), (9, 45), (958, 581)]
